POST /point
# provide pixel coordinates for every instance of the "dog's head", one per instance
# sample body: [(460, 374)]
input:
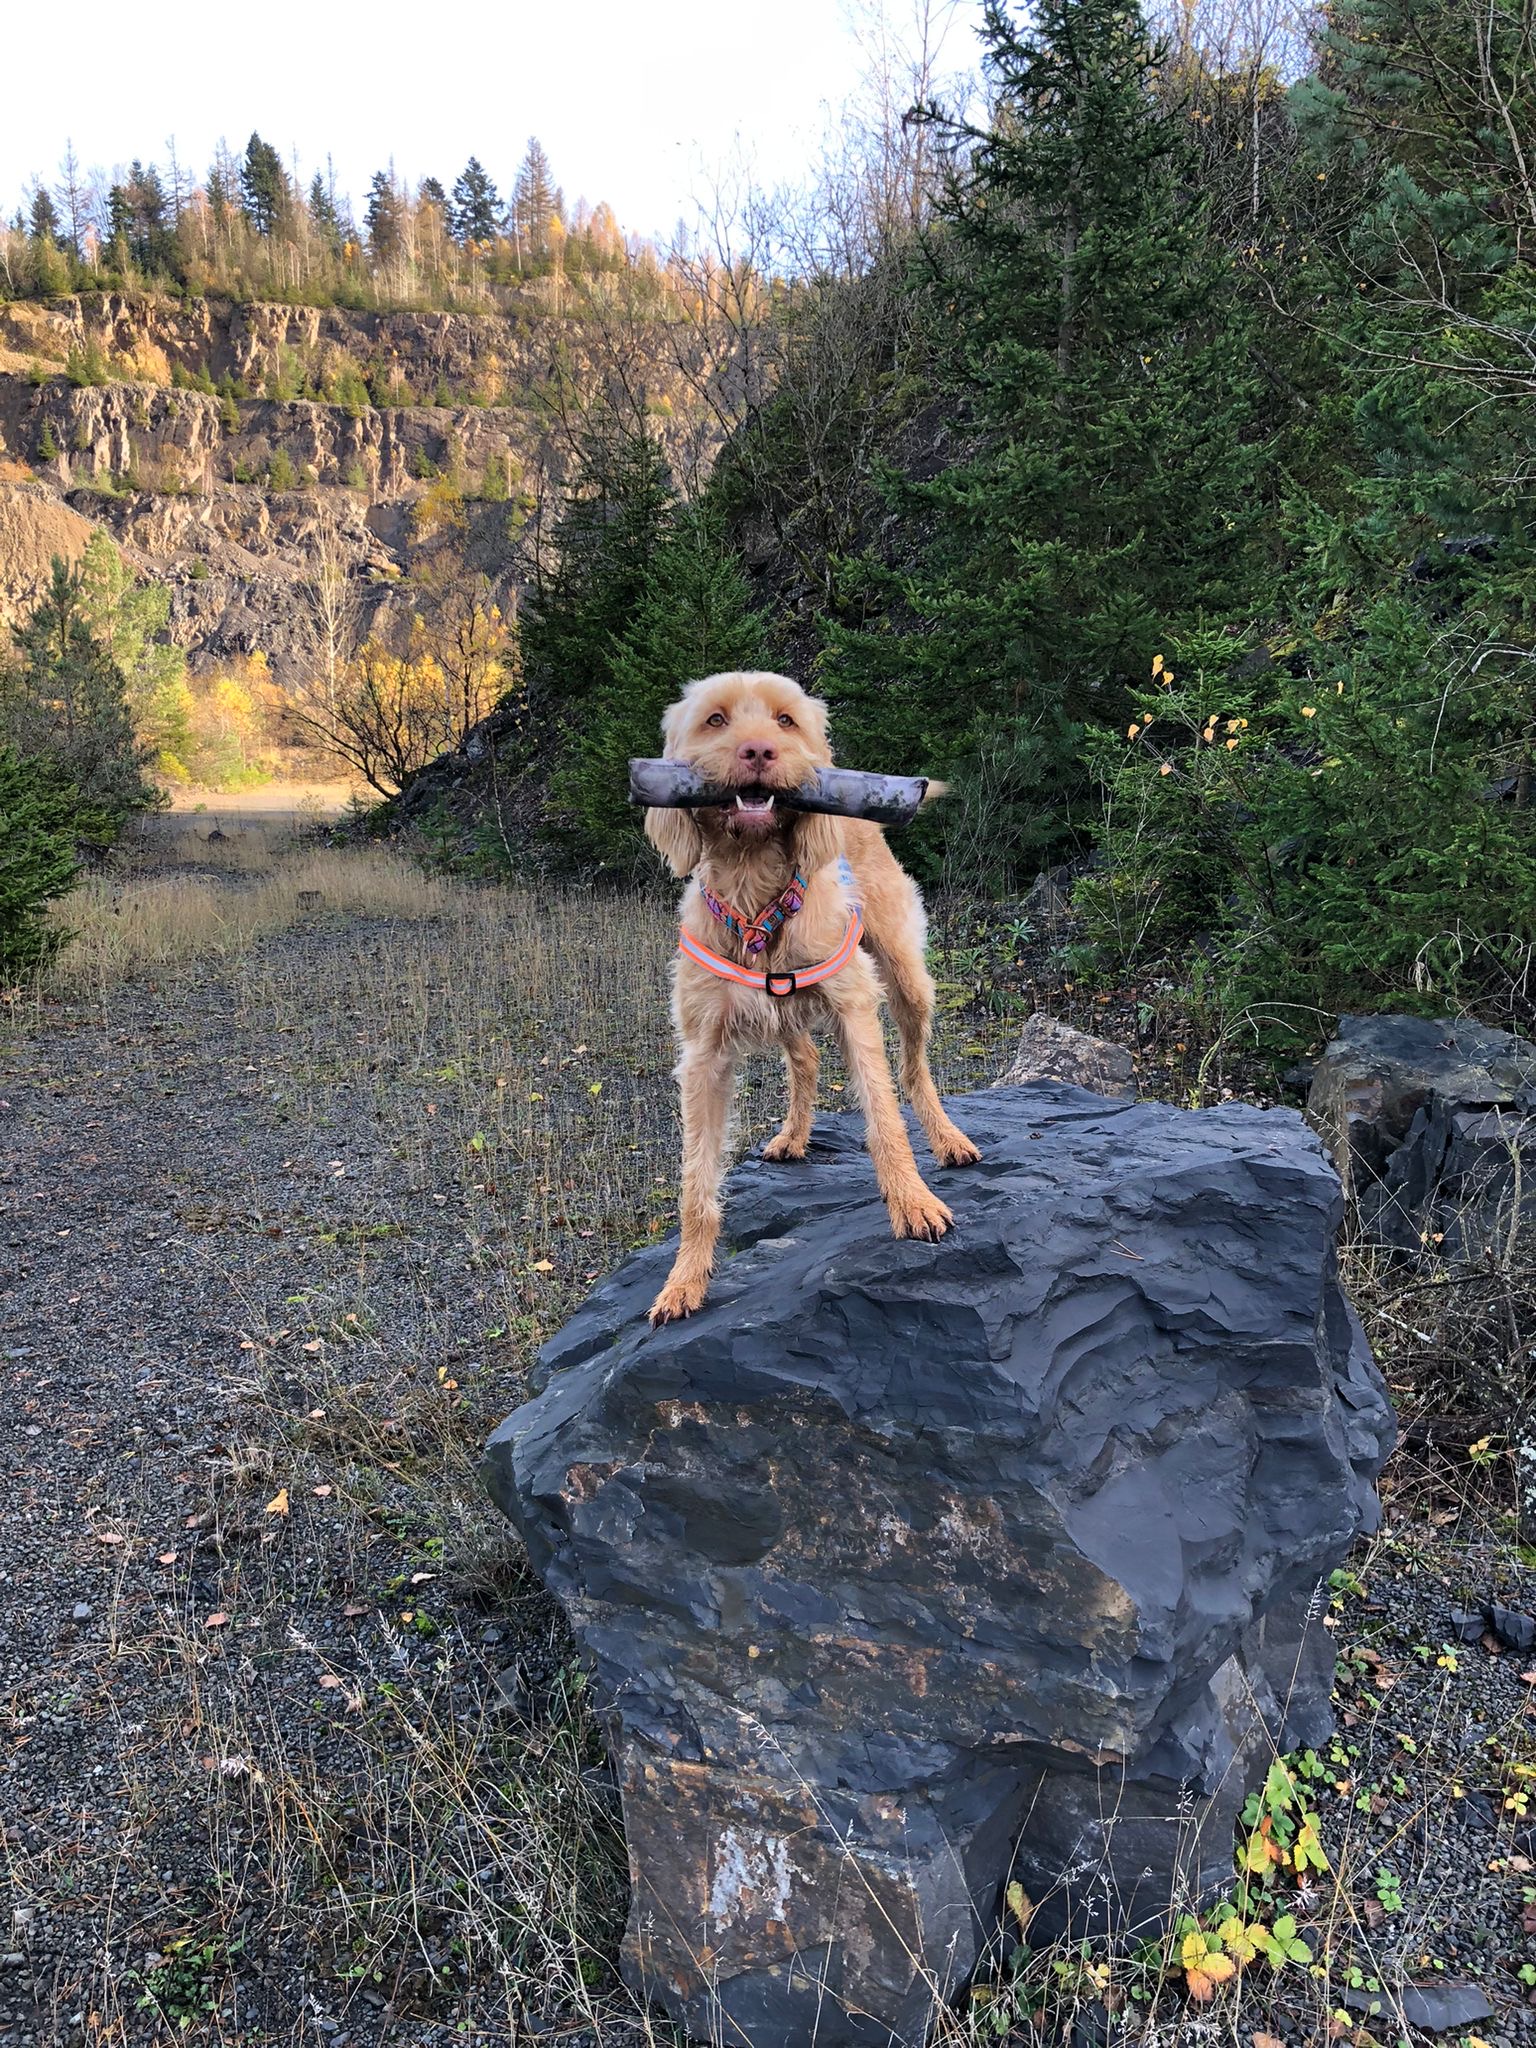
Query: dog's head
[(758, 735)]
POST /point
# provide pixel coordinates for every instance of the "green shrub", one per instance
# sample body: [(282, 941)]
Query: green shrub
[(1333, 831), (281, 475), (37, 859), (87, 365)]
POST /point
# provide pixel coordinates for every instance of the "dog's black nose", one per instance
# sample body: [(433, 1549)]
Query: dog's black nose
[(757, 754)]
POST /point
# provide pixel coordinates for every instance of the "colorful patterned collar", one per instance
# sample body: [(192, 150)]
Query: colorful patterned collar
[(755, 932)]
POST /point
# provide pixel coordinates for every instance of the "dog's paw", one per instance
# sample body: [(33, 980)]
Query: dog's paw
[(953, 1148), (783, 1147), (917, 1212), (678, 1298)]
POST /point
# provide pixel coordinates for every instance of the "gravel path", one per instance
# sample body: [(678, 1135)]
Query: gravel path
[(222, 1598)]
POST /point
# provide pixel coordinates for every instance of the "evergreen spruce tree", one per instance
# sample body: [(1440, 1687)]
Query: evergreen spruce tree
[(323, 214), (263, 186), (1097, 372), (65, 701), (37, 858), (384, 215), (43, 217), (474, 213), (120, 225), (615, 520), (695, 618)]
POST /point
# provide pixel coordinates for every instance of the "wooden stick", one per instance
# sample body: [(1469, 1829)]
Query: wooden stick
[(842, 792)]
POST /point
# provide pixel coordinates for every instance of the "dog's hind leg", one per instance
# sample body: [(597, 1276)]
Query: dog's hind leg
[(706, 1078), (801, 1063), (909, 991)]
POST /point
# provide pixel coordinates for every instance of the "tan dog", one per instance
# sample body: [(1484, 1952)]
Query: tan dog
[(761, 733)]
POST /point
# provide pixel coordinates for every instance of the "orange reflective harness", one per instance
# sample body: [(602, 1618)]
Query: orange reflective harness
[(786, 981)]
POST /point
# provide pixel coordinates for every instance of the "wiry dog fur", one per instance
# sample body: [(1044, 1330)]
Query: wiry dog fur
[(757, 731)]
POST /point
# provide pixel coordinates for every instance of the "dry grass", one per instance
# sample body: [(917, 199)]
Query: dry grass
[(158, 922)]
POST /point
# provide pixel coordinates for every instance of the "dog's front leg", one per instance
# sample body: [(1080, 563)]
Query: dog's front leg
[(916, 1210), (706, 1078)]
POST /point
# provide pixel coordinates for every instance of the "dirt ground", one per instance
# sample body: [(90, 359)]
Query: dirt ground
[(302, 1153)]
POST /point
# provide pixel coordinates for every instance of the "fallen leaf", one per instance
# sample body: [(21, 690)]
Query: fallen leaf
[(1020, 1904), (353, 1611), (278, 1504), (321, 1492), (166, 1557), (543, 1266), (1267, 2041), (108, 1536), (216, 1621), (420, 1578), (315, 1344), (330, 1680)]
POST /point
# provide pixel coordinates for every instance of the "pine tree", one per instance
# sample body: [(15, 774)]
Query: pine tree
[(1098, 377), (65, 700), (384, 215), (475, 211), (535, 203), (120, 225), (613, 523), (73, 198), (264, 186), (431, 193), (43, 217), (323, 214), (694, 618), (37, 858), (149, 239)]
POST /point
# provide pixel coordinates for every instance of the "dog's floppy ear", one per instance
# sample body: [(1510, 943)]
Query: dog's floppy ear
[(676, 838), (818, 840)]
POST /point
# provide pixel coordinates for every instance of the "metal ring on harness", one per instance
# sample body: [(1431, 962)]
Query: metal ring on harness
[(784, 974)]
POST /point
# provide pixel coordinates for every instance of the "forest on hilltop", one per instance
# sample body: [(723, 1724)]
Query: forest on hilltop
[(248, 228), (1142, 441)]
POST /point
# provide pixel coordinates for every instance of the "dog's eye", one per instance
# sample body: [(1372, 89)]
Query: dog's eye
[(786, 721), (717, 718)]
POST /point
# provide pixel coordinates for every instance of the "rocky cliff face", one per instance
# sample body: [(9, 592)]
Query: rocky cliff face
[(225, 494)]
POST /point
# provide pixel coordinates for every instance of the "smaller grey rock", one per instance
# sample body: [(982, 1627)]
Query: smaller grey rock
[(509, 1693), (1052, 1051), (81, 1611), (1467, 1625), (1049, 900), (1434, 2007), (1514, 1630)]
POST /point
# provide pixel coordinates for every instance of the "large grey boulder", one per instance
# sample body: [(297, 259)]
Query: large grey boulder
[(900, 1561), (1432, 1123)]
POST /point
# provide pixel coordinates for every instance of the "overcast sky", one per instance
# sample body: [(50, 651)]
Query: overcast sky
[(632, 99)]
